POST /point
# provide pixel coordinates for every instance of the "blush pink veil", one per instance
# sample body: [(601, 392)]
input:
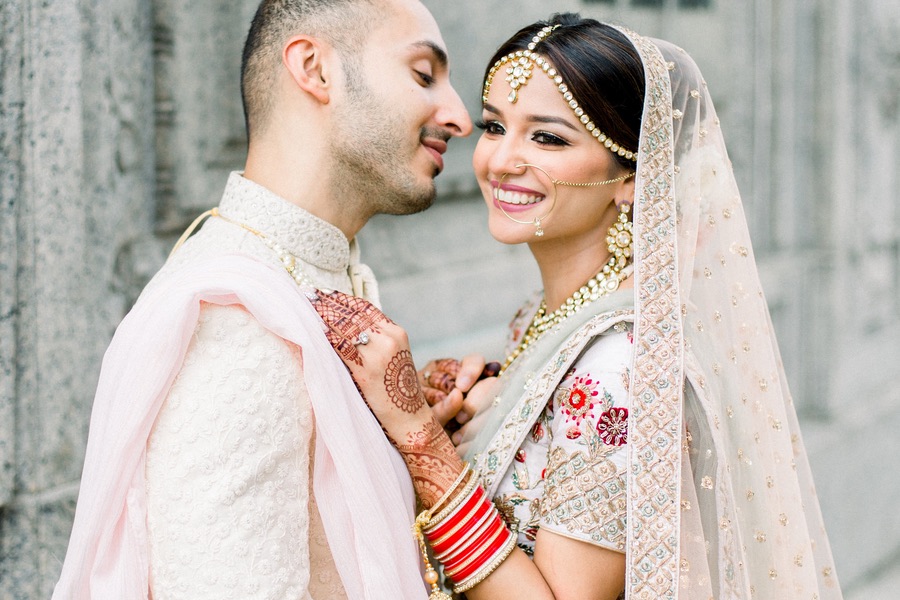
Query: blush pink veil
[(721, 502)]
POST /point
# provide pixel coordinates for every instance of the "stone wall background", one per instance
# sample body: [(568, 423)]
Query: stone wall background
[(120, 118)]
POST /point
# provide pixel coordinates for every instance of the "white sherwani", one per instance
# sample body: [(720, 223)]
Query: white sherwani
[(222, 413), (230, 508)]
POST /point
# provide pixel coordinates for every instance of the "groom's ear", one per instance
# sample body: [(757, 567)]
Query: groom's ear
[(311, 65)]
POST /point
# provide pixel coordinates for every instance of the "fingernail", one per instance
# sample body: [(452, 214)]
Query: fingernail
[(457, 438), (462, 418)]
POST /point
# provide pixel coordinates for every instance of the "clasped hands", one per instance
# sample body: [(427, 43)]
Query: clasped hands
[(376, 351)]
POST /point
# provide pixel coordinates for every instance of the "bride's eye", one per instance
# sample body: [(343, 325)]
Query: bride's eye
[(549, 139), (491, 127)]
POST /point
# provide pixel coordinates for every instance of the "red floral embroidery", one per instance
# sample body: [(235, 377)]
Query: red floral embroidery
[(520, 456), (613, 426), (580, 399), (537, 432), (573, 433)]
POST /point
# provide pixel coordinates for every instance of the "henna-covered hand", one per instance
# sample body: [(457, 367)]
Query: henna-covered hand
[(402, 383), (385, 375), (432, 461), (382, 368), (346, 318)]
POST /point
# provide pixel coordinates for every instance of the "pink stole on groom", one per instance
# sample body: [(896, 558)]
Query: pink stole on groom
[(364, 492)]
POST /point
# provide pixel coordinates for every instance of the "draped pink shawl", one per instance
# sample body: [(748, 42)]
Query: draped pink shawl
[(363, 489)]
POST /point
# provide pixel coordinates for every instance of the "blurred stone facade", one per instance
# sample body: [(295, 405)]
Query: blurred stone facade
[(119, 120)]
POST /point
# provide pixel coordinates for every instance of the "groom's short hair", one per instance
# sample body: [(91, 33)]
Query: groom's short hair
[(342, 23)]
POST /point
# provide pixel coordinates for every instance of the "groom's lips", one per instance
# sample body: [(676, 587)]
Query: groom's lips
[(437, 149)]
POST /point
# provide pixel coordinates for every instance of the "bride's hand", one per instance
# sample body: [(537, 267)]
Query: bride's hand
[(376, 351)]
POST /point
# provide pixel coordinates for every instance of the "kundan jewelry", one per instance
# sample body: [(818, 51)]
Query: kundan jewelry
[(538, 221), (602, 284), (620, 238), (594, 183), (619, 241), (521, 65)]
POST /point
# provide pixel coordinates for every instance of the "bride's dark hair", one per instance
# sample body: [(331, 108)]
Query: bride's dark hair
[(601, 68)]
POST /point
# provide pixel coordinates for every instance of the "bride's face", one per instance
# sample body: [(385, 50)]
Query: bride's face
[(541, 129)]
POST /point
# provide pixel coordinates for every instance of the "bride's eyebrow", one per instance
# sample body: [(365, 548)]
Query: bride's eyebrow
[(533, 118), (547, 119)]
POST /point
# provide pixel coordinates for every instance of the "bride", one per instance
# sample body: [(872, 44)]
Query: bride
[(640, 439)]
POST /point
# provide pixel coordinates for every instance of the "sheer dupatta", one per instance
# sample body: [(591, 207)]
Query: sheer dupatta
[(720, 496)]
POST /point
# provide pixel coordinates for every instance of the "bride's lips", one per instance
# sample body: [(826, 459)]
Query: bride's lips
[(437, 149), (514, 198)]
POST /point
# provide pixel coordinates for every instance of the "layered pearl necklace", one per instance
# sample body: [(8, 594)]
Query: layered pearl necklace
[(602, 284)]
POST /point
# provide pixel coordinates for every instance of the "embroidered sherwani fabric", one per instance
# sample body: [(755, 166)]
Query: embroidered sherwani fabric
[(720, 502), (197, 478), (229, 493)]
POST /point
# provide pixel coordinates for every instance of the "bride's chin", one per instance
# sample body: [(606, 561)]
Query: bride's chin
[(510, 233)]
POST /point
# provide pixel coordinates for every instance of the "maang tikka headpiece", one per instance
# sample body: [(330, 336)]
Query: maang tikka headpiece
[(521, 66)]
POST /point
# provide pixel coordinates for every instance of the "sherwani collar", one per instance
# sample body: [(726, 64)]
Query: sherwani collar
[(306, 236)]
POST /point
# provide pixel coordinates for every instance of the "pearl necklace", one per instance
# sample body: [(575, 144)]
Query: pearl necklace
[(602, 284), (288, 260)]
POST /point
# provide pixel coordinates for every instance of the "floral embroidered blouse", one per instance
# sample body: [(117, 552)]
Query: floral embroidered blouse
[(568, 475)]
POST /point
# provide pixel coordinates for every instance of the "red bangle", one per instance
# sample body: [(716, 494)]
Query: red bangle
[(490, 566), (453, 518), (474, 545), (484, 523), (467, 529), (483, 557), (462, 523)]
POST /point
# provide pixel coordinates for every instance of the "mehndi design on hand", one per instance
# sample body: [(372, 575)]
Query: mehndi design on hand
[(347, 317), (402, 383), (432, 462)]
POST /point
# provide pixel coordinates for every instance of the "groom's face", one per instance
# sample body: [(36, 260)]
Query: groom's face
[(400, 109)]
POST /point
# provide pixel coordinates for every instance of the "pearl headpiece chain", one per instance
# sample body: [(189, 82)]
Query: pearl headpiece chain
[(521, 66)]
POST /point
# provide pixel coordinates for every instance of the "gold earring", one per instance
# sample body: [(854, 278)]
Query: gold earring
[(619, 239), (537, 221)]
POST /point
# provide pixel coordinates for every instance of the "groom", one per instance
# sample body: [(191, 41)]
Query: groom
[(229, 454)]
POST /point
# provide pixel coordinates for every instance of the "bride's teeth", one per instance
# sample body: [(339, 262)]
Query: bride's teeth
[(515, 198)]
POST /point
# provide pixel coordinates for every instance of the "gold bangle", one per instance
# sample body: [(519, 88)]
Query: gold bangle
[(454, 503), (449, 492), (480, 576)]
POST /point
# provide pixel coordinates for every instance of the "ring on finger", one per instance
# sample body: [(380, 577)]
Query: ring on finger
[(362, 339)]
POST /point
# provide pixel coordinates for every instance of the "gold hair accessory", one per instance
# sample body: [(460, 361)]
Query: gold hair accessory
[(539, 230), (519, 72)]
